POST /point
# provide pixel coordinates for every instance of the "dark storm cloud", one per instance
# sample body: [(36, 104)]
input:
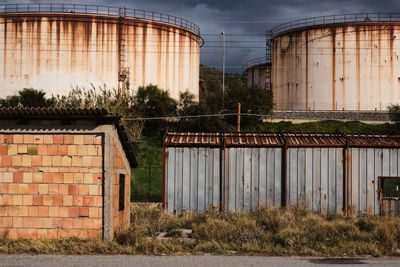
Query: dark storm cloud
[(244, 18), (245, 21)]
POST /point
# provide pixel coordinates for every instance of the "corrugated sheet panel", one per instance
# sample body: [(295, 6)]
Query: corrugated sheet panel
[(192, 179), (315, 174), (315, 178), (253, 178), (367, 164)]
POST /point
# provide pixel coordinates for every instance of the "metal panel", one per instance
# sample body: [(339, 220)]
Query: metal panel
[(194, 173), (170, 180), (201, 181), (253, 178), (192, 179), (277, 194), (340, 182), (367, 165), (308, 177), (315, 178), (301, 176), (247, 180), (262, 179), (239, 179), (186, 179), (324, 181)]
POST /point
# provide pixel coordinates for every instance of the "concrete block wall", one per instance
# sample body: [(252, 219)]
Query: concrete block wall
[(51, 185), (121, 218)]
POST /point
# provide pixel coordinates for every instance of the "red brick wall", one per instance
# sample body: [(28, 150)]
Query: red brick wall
[(50, 185), (120, 218)]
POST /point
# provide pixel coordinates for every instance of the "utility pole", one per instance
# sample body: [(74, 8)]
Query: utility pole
[(238, 119), (223, 71)]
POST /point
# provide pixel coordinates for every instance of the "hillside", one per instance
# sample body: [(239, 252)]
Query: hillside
[(213, 78)]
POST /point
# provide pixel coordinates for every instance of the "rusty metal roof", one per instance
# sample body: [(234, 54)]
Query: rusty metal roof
[(68, 116), (278, 139), (56, 113)]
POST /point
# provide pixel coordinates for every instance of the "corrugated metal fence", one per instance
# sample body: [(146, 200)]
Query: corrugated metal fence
[(240, 172)]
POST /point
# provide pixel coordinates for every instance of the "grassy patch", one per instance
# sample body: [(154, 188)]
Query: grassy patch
[(268, 231), (330, 126), (149, 156)]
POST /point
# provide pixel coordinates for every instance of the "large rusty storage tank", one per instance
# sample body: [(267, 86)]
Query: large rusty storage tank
[(55, 47), (341, 62), (258, 72)]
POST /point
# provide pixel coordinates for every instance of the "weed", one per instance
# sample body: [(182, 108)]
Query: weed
[(266, 231)]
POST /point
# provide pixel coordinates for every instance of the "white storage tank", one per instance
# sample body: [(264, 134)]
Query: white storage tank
[(55, 47), (258, 72), (341, 62)]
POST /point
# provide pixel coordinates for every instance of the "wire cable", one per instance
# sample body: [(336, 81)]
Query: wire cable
[(196, 116)]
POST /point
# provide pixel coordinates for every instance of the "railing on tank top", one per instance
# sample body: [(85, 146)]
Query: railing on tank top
[(100, 10), (331, 19)]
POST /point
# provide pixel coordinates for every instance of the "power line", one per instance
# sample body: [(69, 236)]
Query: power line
[(196, 116)]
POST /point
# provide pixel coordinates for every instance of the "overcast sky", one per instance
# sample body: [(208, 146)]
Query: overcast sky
[(244, 22)]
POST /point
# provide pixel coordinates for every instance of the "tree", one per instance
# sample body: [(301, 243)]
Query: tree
[(28, 98), (150, 102), (254, 100), (113, 101), (394, 113)]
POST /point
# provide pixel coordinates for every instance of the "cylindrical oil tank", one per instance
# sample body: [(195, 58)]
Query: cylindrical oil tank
[(258, 73), (56, 47), (342, 62)]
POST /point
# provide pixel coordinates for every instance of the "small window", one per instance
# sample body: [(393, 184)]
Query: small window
[(389, 187), (121, 191)]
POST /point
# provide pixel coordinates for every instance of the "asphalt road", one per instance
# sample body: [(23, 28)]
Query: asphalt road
[(192, 261)]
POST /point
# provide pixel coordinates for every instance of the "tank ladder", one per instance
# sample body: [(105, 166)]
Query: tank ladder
[(123, 72), (268, 57)]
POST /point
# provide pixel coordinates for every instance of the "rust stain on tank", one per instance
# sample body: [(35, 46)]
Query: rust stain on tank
[(49, 49), (307, 107), (167, 61), (174, 58), (88, 38), (391, 30), (120, 30), (181, 54), (111, 56), (286, 48), (357, 29), (333, 43), (159, 54), (134, 54), (5, 49), (343, 66), (73, 51), (191, 74), (18, 39), (58, 34), (379, 68), (38, 45), (144, 42)]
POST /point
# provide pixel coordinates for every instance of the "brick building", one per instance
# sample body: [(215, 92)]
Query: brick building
[(63, 173)]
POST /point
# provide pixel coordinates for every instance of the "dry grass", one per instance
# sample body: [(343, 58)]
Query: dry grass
[(268, 231)]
